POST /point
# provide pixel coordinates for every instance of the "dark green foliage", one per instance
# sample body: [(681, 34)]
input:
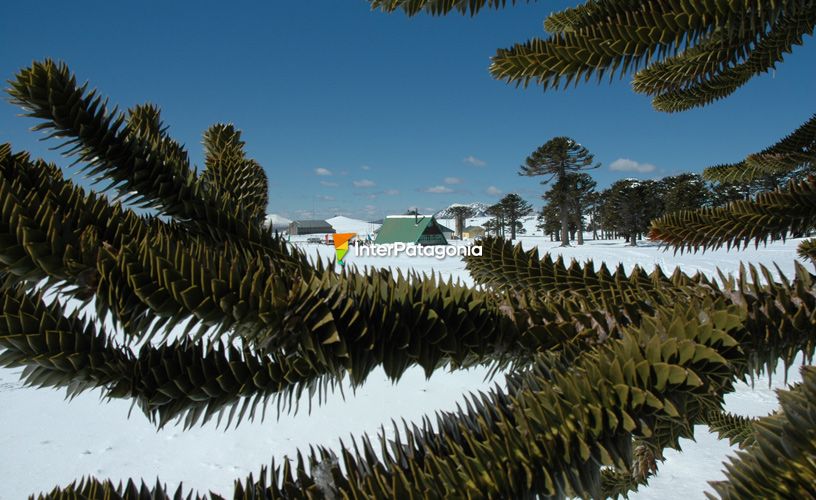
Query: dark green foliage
[(737, 429), (783, 212), (556, 159), (606, 369), (548, 221), (439, 7), (780, 464), (553, 429), (780, 314), (798, 150), (683, 54), (635, 203), (135, 156), (576, 192), (688, 54), (514, 208), (771, 216), (497, 224), (683, 192), (229, 174), (94, 489)]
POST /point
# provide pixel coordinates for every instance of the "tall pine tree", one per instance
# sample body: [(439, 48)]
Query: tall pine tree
[(514, 208), (555, 159)]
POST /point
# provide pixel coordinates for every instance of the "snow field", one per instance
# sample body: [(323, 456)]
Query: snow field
[(49, 441)]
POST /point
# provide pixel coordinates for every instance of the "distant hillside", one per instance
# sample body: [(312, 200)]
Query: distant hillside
[(343, 224), (278, 222), (479, 210), (528, 223)]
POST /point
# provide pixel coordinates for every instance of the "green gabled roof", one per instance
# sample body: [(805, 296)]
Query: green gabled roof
[(405, 229)]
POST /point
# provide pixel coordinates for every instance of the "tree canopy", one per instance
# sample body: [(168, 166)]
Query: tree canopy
[(606, 369)]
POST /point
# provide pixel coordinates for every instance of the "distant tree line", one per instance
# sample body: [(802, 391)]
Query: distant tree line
[(506, 216), (573, 206), (626, 208)]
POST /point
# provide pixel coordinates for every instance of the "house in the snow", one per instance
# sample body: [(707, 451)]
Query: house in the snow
[(310, 227), (418, 229), (446, 232), (472, 232)]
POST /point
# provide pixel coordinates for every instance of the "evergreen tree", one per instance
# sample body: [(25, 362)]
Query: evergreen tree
[(593, 203), (557, 158), (582, 186), (514, 208), (684, 192), (549, 222), (496, 223), (606, 369), (684, 55), (723, 193), (635, 203), (574, 192), (460, 214)]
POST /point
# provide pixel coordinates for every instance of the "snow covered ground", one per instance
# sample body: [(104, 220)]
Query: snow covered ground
[(49, 441)]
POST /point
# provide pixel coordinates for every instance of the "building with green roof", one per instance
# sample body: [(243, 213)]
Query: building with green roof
[(417, 229)]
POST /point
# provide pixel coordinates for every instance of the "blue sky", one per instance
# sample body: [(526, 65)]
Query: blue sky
[(361, 113)]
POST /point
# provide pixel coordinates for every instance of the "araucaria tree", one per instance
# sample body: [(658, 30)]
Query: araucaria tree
[(605, 370), (557, 158), (582, 187), (460, 215), (514, 209), (635, 203)]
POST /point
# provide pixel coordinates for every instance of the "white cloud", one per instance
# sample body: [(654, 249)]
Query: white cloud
[(322, 171), (453, 180), (476, 162), (326, 197), (493, 191), (627, 165), (364, 183), (392, 192), (328, 183), (439, 189), (365, 167)]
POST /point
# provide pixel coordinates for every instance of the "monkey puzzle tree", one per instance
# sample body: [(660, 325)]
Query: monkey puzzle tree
[(769, 216), (685, 54), (683, 192), (514, 207), (557, 158), (635, 203), (548, 221), (605, 369), (460, 215), (583, 186)]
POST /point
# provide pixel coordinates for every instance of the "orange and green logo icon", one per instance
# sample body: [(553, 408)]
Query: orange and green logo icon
[(341, 242)]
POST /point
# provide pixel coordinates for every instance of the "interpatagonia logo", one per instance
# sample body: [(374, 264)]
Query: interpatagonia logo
[(341, 244)]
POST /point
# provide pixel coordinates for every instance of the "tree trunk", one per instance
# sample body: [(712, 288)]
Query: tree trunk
[(460, 224), (565, 239), (512, 229), (578, 210)]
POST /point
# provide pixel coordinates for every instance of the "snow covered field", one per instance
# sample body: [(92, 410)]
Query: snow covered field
[(48, 441)]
